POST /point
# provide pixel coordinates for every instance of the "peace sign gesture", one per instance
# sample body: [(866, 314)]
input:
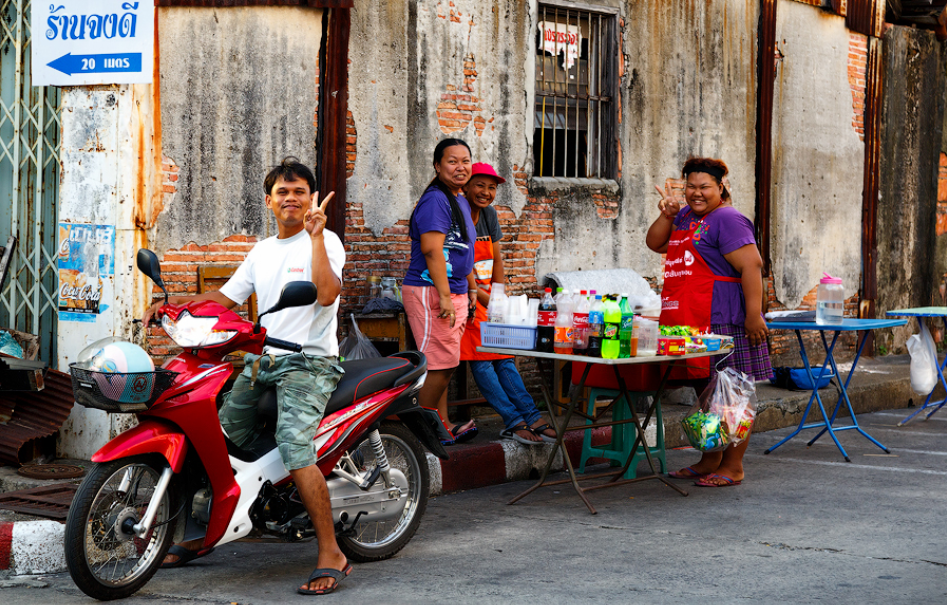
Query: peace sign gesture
[(315, 220), (668, 206)]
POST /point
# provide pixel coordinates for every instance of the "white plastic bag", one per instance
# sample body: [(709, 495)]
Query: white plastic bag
[(923, 361)]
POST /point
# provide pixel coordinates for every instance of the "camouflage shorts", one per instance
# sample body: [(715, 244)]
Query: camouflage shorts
[(303, 384)]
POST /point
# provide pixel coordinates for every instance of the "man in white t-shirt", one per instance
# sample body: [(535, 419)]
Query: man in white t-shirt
[(303, 250)]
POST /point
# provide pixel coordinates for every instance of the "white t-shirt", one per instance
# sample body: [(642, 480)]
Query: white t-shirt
[(272, 264)]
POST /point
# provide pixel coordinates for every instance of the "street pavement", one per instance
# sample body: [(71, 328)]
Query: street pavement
[(805, 527)]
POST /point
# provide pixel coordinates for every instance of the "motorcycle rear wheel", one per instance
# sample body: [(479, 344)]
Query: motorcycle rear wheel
[(379, 540), (105, 560)]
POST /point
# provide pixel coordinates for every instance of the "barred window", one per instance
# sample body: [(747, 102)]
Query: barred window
[(575, 134)]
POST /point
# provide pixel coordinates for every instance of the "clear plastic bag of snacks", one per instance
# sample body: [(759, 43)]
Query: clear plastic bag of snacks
[(724, 414)]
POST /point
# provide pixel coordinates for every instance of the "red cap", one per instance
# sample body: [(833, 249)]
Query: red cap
[(487, 170)]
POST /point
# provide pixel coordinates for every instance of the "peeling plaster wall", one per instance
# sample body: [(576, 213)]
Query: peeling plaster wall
[(913, 118), (680, 95), (238, 93), (688, 87), (406, 59), (818, 159)]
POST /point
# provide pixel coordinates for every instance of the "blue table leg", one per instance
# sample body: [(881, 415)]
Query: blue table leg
[(815, 396), (843, 394), (940, 374)]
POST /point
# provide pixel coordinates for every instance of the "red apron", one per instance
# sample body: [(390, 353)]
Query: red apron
[(483, 273), (687, 297)]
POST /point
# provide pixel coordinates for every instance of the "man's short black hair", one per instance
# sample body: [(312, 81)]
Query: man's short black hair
[(290, 169)]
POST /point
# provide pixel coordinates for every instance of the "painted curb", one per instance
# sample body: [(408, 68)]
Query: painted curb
[(31, 547)]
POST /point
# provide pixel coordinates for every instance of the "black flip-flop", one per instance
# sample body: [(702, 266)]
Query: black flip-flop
[(538, 431), (184, 555), (511, 435), (325, 572)]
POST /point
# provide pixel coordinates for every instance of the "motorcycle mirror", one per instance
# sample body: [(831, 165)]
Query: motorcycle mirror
[(148, 264), (294, 294)]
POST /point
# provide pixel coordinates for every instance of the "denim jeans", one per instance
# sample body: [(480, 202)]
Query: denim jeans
[(501, 385)]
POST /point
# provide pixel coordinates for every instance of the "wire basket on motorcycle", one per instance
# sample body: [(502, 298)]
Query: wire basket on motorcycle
[(117, 376)]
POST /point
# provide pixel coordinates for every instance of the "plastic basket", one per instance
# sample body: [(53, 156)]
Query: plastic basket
[(506, 336), (119, 392)]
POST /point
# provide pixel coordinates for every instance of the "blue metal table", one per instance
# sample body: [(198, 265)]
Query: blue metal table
[(827, 424), (920, 313)]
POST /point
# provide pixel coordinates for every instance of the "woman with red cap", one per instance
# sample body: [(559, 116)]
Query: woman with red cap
[(712, 280), (496, 375)]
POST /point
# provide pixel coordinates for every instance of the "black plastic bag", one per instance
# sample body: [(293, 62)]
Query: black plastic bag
[(356, 345)]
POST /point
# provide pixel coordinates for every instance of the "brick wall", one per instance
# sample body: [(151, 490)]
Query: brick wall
[(942, 196), (179, 271), (857, 68)]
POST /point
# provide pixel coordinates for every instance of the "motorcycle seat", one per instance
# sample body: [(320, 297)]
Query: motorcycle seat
[(362, 378)]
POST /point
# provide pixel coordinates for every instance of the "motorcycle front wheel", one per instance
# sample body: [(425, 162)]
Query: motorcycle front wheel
[(106, 559), (378, 540)]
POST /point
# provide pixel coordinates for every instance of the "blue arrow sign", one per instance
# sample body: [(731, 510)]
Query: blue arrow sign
[(97, 64)]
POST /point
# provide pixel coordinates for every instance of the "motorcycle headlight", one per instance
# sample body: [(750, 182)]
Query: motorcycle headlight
[(194, 332)]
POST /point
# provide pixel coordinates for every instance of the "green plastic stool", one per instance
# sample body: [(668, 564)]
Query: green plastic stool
[(623, 436)]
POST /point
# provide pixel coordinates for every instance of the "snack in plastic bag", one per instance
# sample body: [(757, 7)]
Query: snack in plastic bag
[(724, 414), (356, 345)]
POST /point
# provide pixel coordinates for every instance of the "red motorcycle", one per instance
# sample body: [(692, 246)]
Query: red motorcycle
[(176, 477)]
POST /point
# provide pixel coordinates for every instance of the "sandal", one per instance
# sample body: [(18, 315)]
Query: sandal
[(540, 431), (687, 472), (326, 572), (511, 434), (461, 433), (184, 555)]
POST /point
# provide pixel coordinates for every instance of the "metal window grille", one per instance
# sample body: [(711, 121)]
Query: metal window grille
[(576, 78), (30, 129)]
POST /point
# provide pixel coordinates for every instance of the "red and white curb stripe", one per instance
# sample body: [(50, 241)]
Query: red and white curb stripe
[(31, 547)]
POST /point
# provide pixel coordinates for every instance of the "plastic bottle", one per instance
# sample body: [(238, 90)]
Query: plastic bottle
[(647, 337), (626, 329), (496, 308), (610, 343), (829, 301), (580, 324), (546, 325), (596, 327), (564, 332)]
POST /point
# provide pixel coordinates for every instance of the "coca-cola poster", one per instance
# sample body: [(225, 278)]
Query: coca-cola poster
[(86, 256)]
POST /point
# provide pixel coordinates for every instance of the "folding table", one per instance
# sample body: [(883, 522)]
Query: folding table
[(573, 409), (920, 313), (828, 424)]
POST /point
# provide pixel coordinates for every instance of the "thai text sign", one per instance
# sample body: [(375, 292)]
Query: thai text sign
[(79, 42), (559, 38)]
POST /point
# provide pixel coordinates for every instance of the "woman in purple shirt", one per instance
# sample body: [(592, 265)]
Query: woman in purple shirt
[(439, 287), (713, 279)]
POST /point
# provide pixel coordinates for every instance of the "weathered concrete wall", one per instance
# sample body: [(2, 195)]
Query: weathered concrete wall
[(238, 93), (688, 88), (411, 60), (913, 119), (469, 73), (818, 158)]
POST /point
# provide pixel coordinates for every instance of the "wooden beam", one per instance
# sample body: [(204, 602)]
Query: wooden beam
[(766, 77), (333, 109)]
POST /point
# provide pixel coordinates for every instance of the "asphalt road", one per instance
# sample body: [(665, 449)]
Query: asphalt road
[(805, 527)]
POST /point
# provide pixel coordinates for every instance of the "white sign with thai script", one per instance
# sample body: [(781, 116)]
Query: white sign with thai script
[(559, 38), (79, 42)]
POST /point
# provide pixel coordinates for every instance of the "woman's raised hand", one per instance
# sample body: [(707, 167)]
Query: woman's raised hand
[(668, 206)]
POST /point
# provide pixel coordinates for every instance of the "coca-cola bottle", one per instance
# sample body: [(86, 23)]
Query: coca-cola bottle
[(580, 324), (546, 326)]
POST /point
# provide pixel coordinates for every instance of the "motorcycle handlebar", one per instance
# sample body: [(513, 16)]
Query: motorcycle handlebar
[(282, 344)]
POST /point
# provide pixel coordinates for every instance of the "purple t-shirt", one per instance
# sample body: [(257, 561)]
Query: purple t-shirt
[(433, 214), (723, 231)]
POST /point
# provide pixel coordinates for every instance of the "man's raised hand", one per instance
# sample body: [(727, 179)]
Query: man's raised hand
[(315, 220)]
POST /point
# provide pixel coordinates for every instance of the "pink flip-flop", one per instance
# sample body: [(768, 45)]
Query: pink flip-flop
[(704, 481), (685, 473)]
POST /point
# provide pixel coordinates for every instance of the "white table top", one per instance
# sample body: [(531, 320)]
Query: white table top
[(599, 360)]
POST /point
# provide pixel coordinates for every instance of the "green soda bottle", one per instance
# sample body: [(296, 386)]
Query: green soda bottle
[(610, 337), (626, 328)]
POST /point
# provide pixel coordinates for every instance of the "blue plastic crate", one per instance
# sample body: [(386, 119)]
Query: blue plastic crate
[(505, 336)]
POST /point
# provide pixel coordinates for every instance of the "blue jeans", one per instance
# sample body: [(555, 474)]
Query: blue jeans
[(501, 385)]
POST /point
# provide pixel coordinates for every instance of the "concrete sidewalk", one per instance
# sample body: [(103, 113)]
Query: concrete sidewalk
[(30, 545)]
